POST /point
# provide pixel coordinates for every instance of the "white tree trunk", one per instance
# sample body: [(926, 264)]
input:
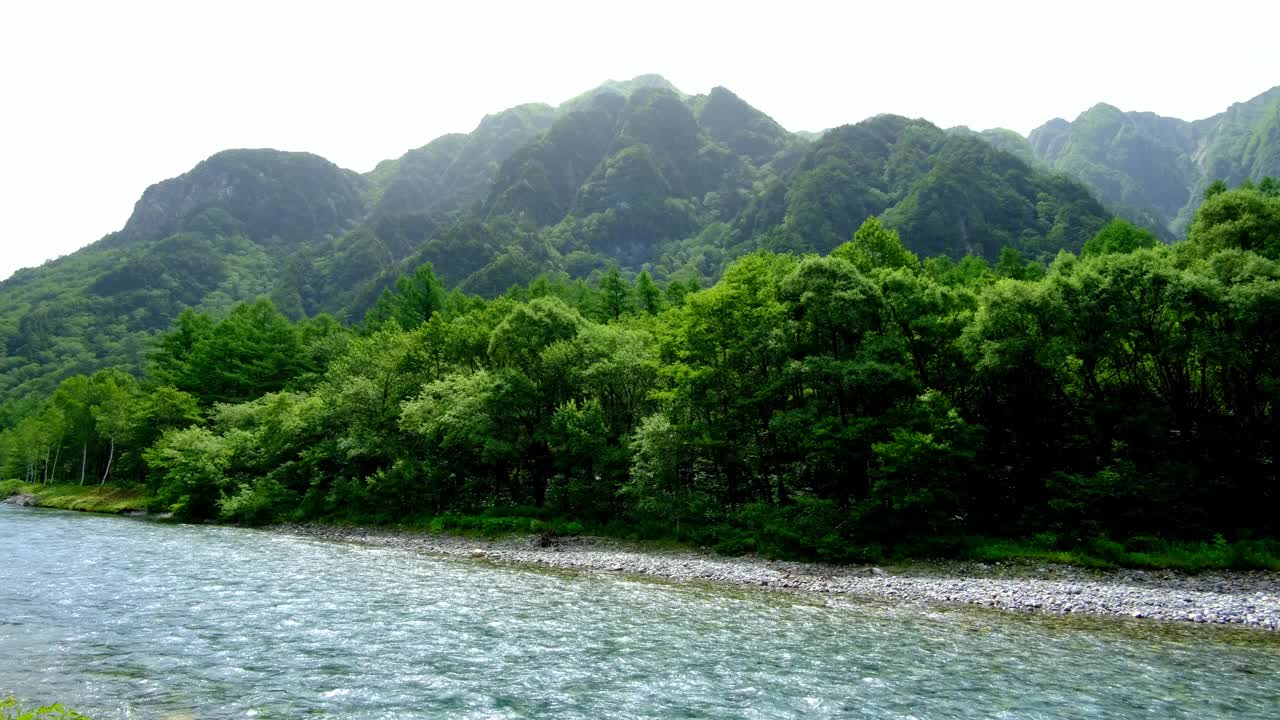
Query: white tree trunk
[(110, 455), (54, 475), (84, 455)]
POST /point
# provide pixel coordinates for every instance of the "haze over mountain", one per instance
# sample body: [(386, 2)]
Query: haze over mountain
[(635, 173), (1155, 169), (143, 90)]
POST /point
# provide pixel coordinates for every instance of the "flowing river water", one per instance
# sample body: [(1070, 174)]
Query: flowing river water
[(126, 618)]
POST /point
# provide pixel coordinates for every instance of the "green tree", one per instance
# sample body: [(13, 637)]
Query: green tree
[(175, 350), (1010, 265), (615, 294), (415, 298), (529, 328), (160, 409), (579, 441), (1118, 236), (648, 294), (875, 246), (1244, 219), (113, 413), (75, 398), (661, 480), (187, 472), (1216, 187), (253, 351)]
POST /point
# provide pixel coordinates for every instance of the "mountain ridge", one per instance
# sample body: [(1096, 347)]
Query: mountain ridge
[(1154, 169), (633, 173)]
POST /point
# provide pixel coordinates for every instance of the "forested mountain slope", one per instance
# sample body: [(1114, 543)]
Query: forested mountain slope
[(863, 404), (207, 239), (1153, 169), (949, 194), (631, 173)]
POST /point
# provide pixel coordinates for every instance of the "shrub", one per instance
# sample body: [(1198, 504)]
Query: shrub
[(10, 487), (258, 503), (186, 472)]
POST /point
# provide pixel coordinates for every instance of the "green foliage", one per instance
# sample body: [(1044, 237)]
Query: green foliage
[(1217, 187), (635, 174), (257, 503), (97, 499), (874, 246), (10, 710), (614, 294), (187, 473), (1148, 552), (1119, 236), (1244, 219), (848, 406), (253, 351), (648, 296), (415, 299)]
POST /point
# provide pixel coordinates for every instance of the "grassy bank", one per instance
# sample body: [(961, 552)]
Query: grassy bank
[(85, 498), (1144, 553)]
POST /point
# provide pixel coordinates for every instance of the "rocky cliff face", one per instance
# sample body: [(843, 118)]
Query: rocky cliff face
[(294, 197), (1155, 169)]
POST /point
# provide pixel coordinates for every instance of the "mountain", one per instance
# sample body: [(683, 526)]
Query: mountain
[(454, 171), (635, 173), (947, 193), (288, 198), (1153, 169)]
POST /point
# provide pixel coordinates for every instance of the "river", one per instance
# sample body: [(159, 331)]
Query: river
[(126, 618)]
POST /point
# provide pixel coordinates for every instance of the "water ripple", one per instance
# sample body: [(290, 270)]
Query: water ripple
[(130, 619)]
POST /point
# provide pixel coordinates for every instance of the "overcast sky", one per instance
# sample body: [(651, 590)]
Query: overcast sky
[(100, 100)]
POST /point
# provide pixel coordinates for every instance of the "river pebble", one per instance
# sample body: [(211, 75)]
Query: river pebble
[(1236, 598)]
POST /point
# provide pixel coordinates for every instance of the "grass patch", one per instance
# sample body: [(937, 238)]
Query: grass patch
[(1001, 550), (9, 488), (494, 525), (85, 498), (1140, 552)]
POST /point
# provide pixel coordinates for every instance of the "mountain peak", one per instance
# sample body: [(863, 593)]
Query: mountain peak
[(1101, 109), (290, 195), (624, 88)]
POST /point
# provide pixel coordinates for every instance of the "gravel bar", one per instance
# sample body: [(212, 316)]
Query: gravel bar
[(1250, 599)]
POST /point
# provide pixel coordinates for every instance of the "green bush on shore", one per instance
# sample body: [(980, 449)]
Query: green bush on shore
[(800, 533)]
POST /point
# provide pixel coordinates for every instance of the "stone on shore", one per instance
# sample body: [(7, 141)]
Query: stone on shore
[(1238, 598)]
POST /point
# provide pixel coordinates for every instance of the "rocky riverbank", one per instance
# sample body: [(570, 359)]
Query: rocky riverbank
[(1237, 598)]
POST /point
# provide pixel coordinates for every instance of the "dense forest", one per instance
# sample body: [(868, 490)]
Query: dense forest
[(659, 314), (633, 173), (840, 404), (636, 174)]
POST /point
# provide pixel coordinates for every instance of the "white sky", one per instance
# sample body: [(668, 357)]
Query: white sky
[(98, 100)]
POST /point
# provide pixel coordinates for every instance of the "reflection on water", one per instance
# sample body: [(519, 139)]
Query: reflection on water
[(131, 619)]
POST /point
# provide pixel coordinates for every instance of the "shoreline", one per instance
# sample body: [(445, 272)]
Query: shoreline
[(1239, 598)]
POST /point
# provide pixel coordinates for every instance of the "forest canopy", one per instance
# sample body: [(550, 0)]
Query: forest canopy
[(832, 405)]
